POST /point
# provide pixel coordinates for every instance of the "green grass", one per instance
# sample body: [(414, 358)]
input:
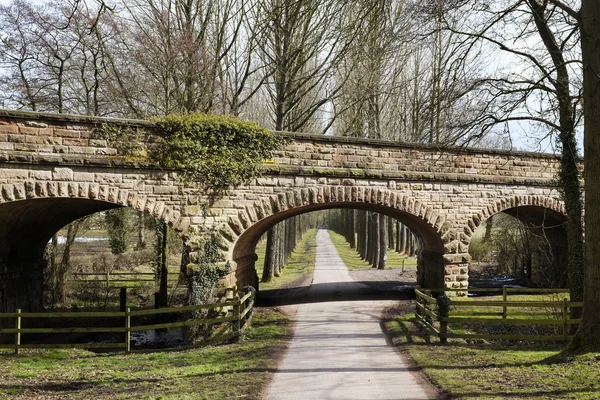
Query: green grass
[(353, 261), (231, 371), (301, 263), (494, 371)]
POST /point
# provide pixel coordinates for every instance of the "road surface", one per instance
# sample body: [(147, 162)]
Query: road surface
[(339, 350)]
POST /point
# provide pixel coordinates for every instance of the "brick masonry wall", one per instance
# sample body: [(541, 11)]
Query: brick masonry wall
[(448, 192)]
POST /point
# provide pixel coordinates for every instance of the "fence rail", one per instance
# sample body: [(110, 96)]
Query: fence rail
[(436, 318), (118, 276), (234, 315)]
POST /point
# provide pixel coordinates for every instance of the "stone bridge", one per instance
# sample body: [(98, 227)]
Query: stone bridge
[(57, 168)]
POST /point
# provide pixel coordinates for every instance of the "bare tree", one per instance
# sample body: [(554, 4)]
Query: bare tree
[(544, 37), (301, 44)]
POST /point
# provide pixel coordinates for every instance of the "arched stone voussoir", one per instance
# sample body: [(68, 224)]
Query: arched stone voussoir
[(321, 197), (32, 190)]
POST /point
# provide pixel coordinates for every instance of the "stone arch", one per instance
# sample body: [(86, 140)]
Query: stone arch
[(32, 211), (508, 203), (244, 229), (545, 216)]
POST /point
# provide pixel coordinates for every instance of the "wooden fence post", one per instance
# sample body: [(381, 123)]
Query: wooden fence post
[(237, 320), (128, 329), (565, 312), (18, 333), (417, 288), (123, 299), (443, 309), (504, 299)]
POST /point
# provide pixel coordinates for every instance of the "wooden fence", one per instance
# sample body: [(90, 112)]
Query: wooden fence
[(435, 313), (118, 278), (232, 317)]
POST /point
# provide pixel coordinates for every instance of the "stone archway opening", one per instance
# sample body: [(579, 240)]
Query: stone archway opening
[(430, 269), (27, 234), (524, 245)]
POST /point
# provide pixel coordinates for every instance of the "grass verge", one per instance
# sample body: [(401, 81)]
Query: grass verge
[(300, 265), (353, 261), (494, 371), (232, 371)]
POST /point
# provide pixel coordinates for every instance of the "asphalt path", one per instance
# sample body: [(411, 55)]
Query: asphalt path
[(339, 350)]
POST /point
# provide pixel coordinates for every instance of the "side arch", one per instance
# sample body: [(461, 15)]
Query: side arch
[(244, 229), (545, 217), (508, 203), (32, 211)]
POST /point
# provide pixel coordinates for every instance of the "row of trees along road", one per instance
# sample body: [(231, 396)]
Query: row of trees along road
[(372, 234), (433, 71)]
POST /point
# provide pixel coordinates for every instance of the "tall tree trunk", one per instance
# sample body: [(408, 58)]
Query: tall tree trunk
[(412, 250), (403, 235), (489, 224), (62, 268), (398, 235), (369, 232), (383, 241), (141, 244), (376, 242), (362, 238), (162, 258), (587, 337), (352, 228), (268, 268), (277, 252), (390, 232)]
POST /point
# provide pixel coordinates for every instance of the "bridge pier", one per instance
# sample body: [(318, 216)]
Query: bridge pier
[(456, 271)]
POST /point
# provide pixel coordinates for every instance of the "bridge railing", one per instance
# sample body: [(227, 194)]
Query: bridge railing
[(228, 320), (467, 318)]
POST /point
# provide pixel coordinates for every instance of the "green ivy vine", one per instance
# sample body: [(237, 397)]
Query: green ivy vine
[(214, 152)]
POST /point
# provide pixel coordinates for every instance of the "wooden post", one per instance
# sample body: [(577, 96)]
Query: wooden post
[(123, 305), (443, 311), (123, 299), (565, 312), (418, 287), (18, 333), (128, 330), (236, 314), (443, 331), (504, 299)]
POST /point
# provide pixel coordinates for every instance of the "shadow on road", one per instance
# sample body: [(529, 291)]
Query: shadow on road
[(342, 291)]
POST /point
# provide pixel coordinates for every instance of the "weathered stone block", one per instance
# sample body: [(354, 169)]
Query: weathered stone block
[(84, 176), (62, 174)]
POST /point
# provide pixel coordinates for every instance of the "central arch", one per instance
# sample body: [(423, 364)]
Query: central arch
[(245, 229)]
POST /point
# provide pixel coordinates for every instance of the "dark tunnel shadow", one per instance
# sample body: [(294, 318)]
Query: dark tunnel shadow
[(330, 292)]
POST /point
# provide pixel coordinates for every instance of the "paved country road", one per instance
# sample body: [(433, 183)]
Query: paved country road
[(338, 350)]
